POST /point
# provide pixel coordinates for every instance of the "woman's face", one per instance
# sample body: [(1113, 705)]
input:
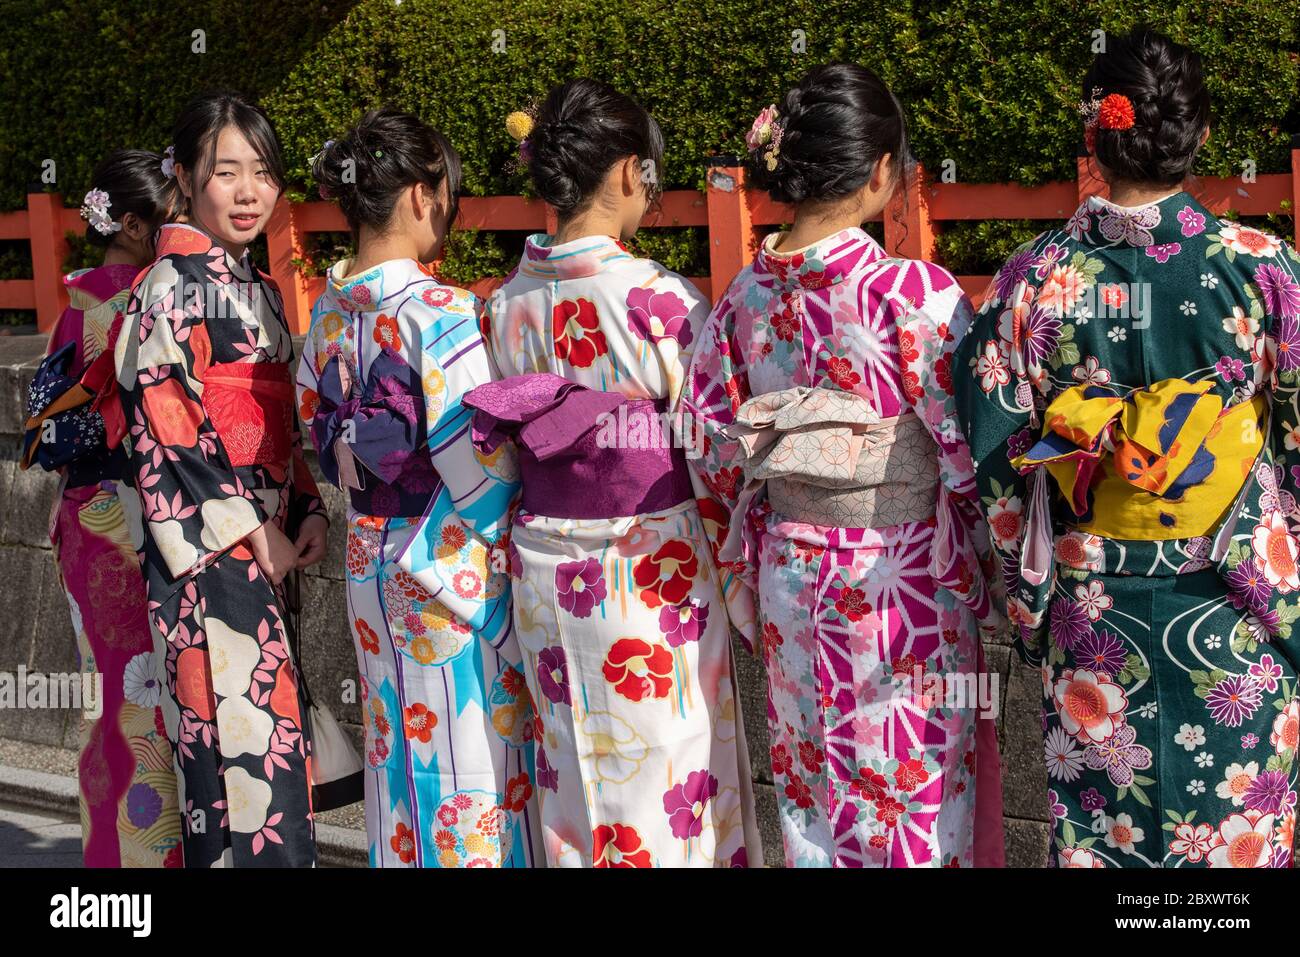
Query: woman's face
[(234, 205)]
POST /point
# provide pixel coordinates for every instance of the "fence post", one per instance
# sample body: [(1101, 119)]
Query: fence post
[(909, 231), (49, 249), (1295, 191), (284, 243), (732, 241)]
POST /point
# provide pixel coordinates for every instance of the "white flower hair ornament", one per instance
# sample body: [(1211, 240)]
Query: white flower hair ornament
[(94, 210), (168, 165)]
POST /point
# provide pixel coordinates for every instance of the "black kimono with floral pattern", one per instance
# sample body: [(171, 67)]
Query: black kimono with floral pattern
[(203, 360)]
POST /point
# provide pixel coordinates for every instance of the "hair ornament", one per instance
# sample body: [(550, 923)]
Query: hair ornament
[(766, 131), (94, 210), (1116, 113)]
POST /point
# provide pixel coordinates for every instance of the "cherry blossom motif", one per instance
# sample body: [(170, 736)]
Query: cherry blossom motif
[(1192, 841), (992, 368), (1161, 252), (1090, 372), (1119, 756), (1094, 599), (1248, 240), (1193, 223), (1090, 705), (1243, 840), (1242, 327), (1079, 857), (1276, 551)]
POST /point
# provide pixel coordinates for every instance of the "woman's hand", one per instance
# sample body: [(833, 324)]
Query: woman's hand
[(275, 554), (310, 543)]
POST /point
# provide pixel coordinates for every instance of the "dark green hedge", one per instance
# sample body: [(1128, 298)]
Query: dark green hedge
[(988, 84)]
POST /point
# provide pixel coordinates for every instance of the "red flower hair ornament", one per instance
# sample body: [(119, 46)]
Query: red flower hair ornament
[(1113, 112)]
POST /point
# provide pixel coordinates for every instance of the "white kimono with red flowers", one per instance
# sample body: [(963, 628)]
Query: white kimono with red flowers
[(641, 759)]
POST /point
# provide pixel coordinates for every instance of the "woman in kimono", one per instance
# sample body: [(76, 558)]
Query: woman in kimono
[(1145, 357), (129, 816), (843, 497), (448, 721), (640, 754), (228, 504)]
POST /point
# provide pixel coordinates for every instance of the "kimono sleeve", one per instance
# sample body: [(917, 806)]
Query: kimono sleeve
[(304, 496), (457, 551), (68, 329), (994, 411), (961, 559), (717, 383), (1259, 559), (194, 505), (307, 375)]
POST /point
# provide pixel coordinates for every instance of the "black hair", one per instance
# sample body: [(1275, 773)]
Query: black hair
[(200, 123), (836, 124), (135, 183), (386, 151), (581, 130), (1171, 106)]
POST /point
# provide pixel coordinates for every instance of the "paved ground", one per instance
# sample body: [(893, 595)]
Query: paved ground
[(30, 838), (40, 827)]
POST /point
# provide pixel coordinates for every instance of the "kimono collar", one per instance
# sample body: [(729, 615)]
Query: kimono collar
[(576, 259), (182, 239), (87, 287), (826, 262), (1169, 221), (364, 291)]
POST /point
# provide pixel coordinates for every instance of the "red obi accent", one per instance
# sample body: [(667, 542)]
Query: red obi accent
[(251, 405)]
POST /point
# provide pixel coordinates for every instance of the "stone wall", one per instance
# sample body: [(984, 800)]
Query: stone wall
[(35, 631)]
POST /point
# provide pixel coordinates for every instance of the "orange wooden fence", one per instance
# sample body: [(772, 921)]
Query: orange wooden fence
[(732, 215)]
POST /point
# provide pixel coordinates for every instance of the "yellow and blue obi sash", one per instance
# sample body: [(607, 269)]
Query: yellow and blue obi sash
[(1159, 463)]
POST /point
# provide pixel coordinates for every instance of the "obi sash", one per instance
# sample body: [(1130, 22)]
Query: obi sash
[(380, 425), (1164, 462), (251, 405), (828, 458), (583, 453)]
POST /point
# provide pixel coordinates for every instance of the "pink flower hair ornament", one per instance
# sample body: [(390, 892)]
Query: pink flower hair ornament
[(766, 131)]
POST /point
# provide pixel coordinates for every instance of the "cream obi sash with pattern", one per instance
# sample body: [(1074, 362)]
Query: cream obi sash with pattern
[(828, 458)]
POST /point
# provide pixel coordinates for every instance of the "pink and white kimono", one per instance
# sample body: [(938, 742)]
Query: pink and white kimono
[(641, 757), (843, 495)]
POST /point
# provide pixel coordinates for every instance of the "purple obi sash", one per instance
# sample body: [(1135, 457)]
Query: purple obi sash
[(583, 453), (387, 435)]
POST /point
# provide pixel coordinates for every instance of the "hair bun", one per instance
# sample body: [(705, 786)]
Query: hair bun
[(582, 129), (1164, 82), (835, 124), (385, 152)]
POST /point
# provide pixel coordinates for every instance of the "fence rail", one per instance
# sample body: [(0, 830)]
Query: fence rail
[(732, 215)]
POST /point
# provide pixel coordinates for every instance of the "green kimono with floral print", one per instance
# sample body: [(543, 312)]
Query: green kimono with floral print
[(1168, 645)]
